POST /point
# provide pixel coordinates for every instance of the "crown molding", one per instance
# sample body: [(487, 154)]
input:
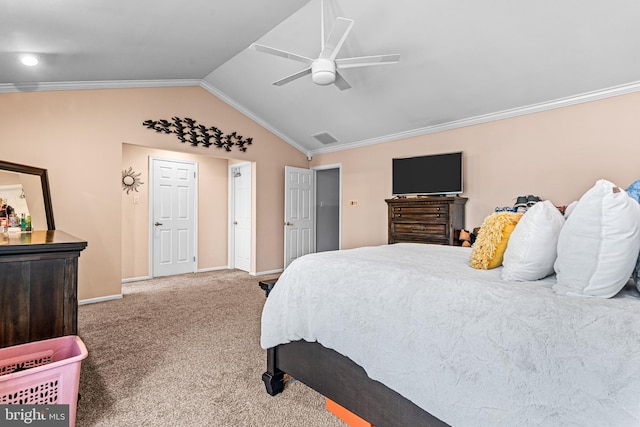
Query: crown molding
[(506, 114), (112, 84), (224, 97)]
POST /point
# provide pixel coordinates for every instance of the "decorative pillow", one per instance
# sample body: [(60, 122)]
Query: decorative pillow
[(532, 248), (634, 190), (489, 247), (570, 208), (599, 243)]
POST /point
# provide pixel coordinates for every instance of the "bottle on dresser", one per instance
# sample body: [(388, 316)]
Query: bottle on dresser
[(4, 221)]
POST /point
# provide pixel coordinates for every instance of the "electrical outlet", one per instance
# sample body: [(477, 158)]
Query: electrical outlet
[(353, 203), (136, 199)]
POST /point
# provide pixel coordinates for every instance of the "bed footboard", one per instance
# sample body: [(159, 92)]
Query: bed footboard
[(340, 379)]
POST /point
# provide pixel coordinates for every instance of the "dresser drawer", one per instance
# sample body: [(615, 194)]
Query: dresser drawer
[(420, 230), (421, 212), (436, 217)]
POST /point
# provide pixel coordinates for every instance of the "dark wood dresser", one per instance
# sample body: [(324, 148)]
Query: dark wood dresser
[(38, 286), (436, 219)]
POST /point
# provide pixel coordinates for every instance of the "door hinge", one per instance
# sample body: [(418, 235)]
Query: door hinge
[(194, 259)]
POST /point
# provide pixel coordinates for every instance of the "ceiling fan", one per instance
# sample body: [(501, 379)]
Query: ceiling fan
[(324, 69)]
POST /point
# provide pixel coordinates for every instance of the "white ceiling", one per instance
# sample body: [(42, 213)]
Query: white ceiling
[(462, 61)]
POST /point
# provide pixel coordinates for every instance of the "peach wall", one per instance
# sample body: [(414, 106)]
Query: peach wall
[(556, 154), (213, 186), (78, 137)]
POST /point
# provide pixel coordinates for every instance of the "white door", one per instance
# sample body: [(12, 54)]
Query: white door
[(298, 213), (241, 216), (173, 216)]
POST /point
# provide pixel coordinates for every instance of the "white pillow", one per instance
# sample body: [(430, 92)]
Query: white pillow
[(570, 209), (532, 248), (599, 243)]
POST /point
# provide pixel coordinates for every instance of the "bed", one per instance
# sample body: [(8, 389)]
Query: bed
[(410, 334)]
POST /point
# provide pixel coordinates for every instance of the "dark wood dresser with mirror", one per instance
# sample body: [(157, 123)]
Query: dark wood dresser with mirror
[(38, 268), (429, 219)]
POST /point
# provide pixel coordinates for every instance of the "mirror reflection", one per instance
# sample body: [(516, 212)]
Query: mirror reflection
[(24, 192), (13, 204), (22, 198)]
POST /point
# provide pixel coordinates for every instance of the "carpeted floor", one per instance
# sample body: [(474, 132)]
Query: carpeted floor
[(184, 351)]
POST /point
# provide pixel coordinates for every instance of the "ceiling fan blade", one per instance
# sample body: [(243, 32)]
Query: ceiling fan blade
[(282, 53), (336, 38), (292, 77), (365, 61), (341, 83)]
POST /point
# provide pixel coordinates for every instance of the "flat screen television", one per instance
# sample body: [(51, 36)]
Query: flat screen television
[(434, 174)]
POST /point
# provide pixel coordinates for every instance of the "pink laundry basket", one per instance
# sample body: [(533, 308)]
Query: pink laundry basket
[(42, 373)]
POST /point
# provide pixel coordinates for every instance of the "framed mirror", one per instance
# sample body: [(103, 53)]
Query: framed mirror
[(28, 188)]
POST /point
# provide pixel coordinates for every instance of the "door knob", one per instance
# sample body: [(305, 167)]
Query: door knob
[(235, 222), (157, 223), (288, 223)]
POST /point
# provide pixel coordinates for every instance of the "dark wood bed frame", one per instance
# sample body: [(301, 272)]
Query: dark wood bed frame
[(340, 379)]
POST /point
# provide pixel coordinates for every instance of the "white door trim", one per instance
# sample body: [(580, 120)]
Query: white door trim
[(151, 204), (315, 183)]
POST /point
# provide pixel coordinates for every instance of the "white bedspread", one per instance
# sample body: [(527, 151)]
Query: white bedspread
[(466, 346)]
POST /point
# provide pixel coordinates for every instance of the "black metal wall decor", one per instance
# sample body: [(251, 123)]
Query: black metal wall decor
[(195, 134)]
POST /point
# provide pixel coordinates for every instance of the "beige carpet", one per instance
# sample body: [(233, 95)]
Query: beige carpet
[(184, 351)]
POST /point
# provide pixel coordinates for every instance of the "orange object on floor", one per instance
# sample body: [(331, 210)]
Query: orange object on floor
[(347, 416)]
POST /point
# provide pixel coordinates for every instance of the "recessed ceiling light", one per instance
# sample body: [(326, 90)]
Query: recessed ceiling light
[(29, 60)]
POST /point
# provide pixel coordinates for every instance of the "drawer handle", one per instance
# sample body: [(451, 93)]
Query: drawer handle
[(418, 229), (437, 215)]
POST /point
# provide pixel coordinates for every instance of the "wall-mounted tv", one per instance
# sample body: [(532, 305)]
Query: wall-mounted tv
[(428, 175)]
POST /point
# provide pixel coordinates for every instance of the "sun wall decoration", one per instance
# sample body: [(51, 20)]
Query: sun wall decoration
[(130, 180), (188, 131)]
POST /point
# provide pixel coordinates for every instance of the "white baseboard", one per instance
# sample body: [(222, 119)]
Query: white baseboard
[(99, 299), (260, 273), (204, 270), (135, 279)]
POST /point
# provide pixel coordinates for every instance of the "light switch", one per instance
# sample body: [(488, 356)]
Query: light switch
[(136, 199)]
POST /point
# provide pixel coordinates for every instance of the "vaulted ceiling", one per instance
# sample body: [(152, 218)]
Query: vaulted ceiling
[(461, 61)]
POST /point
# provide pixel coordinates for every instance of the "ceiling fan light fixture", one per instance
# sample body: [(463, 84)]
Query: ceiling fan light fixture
[(29, 60), (323, 69), (323, 72)]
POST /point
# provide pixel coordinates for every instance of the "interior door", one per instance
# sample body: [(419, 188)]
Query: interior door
[(299, 213), (173, 216), (241, 176)]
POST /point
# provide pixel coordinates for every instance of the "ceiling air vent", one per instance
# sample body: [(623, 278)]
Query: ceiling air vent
[(325, 138)]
